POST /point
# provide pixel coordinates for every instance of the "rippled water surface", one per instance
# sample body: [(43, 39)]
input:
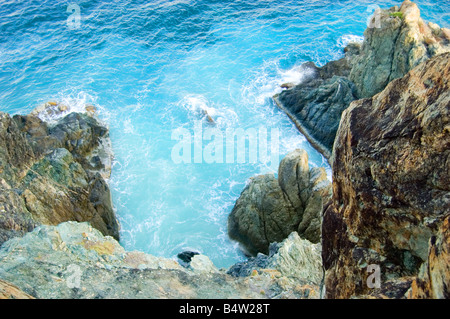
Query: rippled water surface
[(151, 67)]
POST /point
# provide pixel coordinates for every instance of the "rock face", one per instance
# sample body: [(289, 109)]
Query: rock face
[(299, 258), (8, 291), (296, 258), (401, 41), (316, 104), (397, 41), (269, 209), (391, 190), (51, 173), (434, 275), (74, 260)]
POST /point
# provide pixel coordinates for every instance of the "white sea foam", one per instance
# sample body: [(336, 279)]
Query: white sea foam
[(267, 82), (70, 101), (344, 40), (198, 107)]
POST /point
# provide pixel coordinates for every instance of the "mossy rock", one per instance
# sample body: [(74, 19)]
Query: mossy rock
[(396, 14)]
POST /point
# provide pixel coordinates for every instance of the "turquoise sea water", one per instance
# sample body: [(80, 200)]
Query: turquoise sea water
[(150, 67)]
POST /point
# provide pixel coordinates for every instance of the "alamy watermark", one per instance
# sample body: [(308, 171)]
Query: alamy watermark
[(74, 274), (232, 145), (374, 20), (374, 279), (74, 20)]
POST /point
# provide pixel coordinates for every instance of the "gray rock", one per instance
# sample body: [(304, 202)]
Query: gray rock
[(201, 263), (47, 176), (261, 261), (74, 260), (269, 209), (293, 178), (299, 259), (261, 215), (294, 258), (316, 107)]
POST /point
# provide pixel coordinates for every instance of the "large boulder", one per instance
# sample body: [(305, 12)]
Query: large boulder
[(391, 190), (269, 209), (54, 172), (261, 215)]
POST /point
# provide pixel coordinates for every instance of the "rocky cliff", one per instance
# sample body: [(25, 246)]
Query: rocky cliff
[(74, 260), (396, 41), (58, 229), (391, 202), (389, 208), (54, 172), (393, 45)]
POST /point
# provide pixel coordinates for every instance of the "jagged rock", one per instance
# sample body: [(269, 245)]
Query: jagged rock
[(390, 183), (202, 263), (15, 219), (433, 280), (74, 260), (399, 44), (47, 175), (316, 104), (299, 259), (260, 261), (294, 261), (269, 209)]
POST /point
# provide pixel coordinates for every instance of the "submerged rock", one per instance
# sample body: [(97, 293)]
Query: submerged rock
[(269, 209), (391, 188), (47, 175)]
